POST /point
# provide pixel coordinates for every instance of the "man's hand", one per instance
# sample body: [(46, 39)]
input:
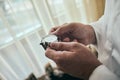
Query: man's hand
[(73, 58), (75, 31)]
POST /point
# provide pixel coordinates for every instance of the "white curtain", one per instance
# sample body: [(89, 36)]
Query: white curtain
[(24, 22)]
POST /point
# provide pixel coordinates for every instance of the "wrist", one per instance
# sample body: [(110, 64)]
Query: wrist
[(91, 33), (90, 70)]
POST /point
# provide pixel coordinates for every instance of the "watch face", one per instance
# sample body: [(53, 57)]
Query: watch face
[(50, 38), (47, 40)]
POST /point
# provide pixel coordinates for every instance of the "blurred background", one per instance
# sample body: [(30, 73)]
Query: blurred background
[(24, 22)]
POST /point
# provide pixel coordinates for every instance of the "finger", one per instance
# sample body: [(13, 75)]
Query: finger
[(57, 56), (61, 46), (54, 29), (52, 54), (60, 30)]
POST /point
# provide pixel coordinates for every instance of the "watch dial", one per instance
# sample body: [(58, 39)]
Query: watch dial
[(50, 38)]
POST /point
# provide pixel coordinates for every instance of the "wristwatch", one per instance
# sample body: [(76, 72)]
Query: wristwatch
[(46, 40)]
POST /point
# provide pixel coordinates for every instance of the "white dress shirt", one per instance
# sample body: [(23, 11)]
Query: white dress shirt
[(107, 30)]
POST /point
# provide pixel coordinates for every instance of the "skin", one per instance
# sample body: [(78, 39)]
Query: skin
[(71, 54), (75, 31)]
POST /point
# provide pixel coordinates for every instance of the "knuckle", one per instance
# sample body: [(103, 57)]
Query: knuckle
[(60, 46), (75, 45), (58, 60), (59, 30)]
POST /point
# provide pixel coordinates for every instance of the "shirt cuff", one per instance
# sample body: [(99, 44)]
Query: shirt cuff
[(103, 73)]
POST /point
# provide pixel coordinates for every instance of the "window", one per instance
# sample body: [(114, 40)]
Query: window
[(5, 36), (20, 28), (17, 18), (20, 15), (80, 5), (58, 11), (15, 63)]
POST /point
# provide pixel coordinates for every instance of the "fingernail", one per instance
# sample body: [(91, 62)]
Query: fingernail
[(52, 44)]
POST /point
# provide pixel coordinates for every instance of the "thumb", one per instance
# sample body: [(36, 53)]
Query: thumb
[(56, 56)]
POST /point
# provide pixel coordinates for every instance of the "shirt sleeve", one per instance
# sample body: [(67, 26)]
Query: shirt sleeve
[(103, 73), (100, 30)]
